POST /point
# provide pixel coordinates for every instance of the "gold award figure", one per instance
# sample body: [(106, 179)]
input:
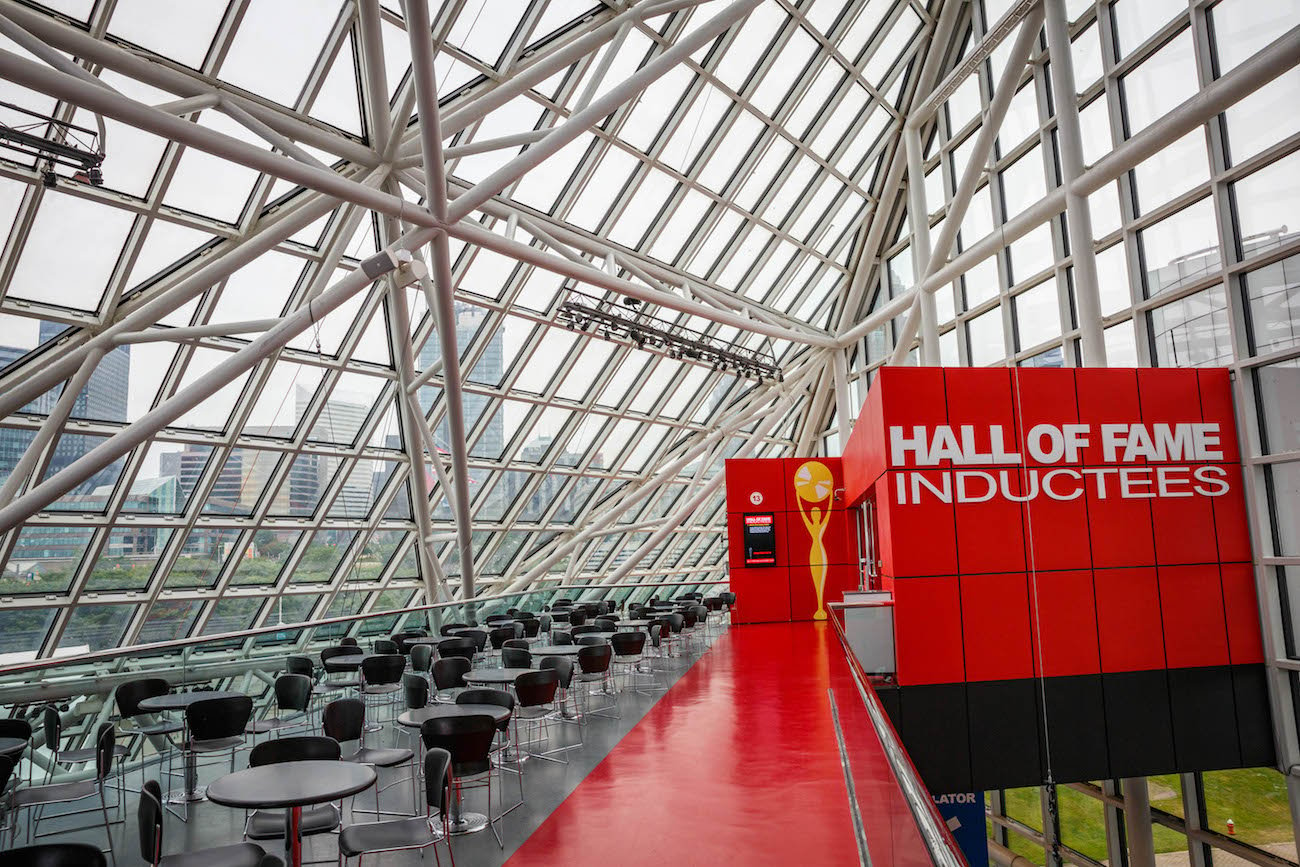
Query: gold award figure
[(813, 486)]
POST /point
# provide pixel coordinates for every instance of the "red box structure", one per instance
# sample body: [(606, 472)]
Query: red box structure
[(816, 545), (1070, 559)]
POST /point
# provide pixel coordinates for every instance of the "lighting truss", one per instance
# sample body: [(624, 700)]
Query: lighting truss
[(52, 142), (626, 322)]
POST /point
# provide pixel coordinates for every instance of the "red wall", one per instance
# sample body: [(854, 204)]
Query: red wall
[(786, 591), (1141, 595)]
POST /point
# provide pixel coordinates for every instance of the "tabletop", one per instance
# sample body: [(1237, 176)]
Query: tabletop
[(11, 745), (181, 700), (495, 675), (348, 660), (634, 623), (311, 782), (415, 718), (555, 650)]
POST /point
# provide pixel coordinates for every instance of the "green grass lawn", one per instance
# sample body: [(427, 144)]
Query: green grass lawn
[(1254, 798)]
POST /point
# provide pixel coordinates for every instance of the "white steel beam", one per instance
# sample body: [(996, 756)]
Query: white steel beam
[(580, 121), (441, 299), (1270, 62), (204, 387)]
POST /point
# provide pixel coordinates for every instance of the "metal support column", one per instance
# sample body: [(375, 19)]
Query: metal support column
[(1077, 212), (1021, 50), (918, 218), (844, 408), (1137, 822)]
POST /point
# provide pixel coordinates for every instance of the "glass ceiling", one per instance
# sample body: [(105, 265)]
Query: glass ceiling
[(745, 173)]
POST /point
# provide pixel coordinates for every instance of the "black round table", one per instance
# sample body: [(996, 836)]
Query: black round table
[(416, 718), (495, 675), (300, 785), (180, 701), (555, 650), (348, 661)]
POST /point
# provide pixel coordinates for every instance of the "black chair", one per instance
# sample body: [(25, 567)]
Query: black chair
[(127, 697), (449, 677), (52, 721), (606, 624), (292, 699), (500, 635), (348, 642), (381, 680), (55, 855), (521, 643), (588, 629), (562, 636), (338, 684), (594, 668), (629, 654), (217, 725), (149, 815), (318, 819), (497, 618), (543, 624), (514, 657), (591, 640), (461, 647), (500, 698), (728, 602), (38, 797), (479, 637), (416, 690), (300, 665), (366, 838), (577, 618), (468, 739), (344, 720), (450, 629), (385, 647), (675, 624), (532, 627), (422, 658), (563, 667), (535, 694)]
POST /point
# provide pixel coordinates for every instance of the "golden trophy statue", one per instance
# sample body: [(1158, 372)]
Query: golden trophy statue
[(813, 486)]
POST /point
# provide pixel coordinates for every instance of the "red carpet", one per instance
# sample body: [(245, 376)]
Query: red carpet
[(737, 764)]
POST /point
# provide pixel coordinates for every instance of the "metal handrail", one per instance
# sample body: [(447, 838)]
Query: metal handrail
[(178, 643), (934, 831)]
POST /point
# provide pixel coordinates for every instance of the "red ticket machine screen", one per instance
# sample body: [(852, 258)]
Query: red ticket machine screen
[(760, 539)]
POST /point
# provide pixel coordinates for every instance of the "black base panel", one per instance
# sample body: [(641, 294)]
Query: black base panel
[(1139, 727), (935, 734), (1254, 716), (1076, 729), (1205, 718), (888, 696), (1004, 734)]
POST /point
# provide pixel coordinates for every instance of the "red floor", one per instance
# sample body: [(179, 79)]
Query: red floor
[(737, 764)]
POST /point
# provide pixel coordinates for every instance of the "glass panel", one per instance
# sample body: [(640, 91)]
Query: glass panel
[(1258, 795), (203, 553), (1164, 80), (1278, 387), (1192, 331), (1180, 249), (322, 554), (168, 620), (95, 627), (44, 559), (1284, 486), (984, 338), (128, 558), (265, 556), (1273, 303), (22, 630), (1038, 316), (1267, 208)]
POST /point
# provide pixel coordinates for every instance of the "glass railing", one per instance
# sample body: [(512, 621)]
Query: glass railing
[(248, 660), (898, 814)]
